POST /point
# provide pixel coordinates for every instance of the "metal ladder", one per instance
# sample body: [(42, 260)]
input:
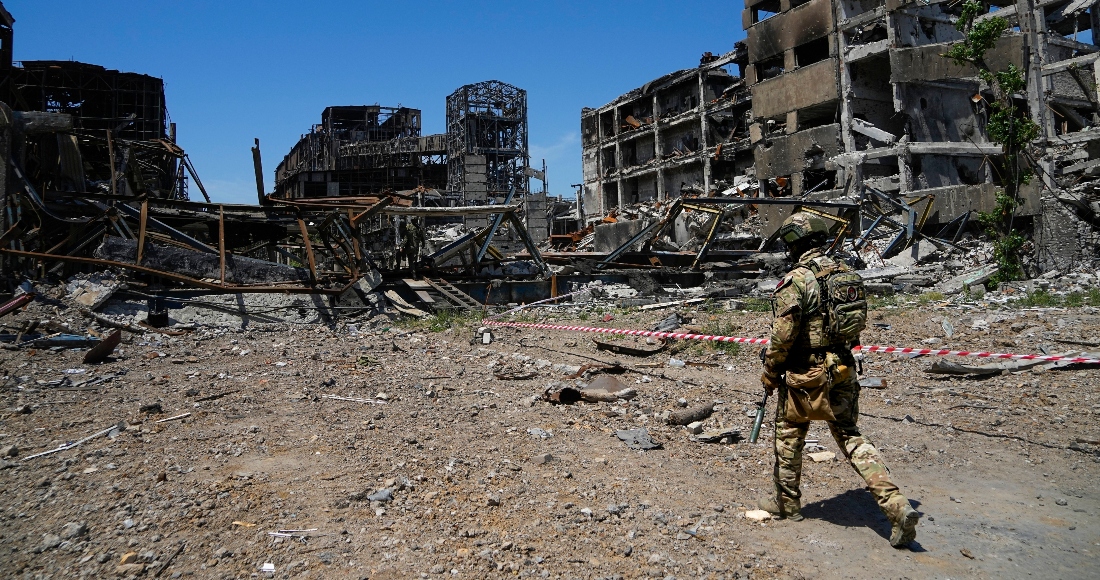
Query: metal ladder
[(453, 295)]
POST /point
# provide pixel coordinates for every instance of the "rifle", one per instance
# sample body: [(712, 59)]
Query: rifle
[(755, 434)]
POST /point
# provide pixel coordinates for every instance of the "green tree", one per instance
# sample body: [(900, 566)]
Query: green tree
[(1009, 125)]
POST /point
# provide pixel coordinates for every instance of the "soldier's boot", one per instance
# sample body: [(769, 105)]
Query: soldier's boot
[(791, 509), (904, 529)]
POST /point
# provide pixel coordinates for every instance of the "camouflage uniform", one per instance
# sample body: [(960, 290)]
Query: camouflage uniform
[(410, 246), (797, 326)]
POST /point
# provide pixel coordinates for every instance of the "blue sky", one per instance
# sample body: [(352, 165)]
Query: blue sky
[(235, 70)]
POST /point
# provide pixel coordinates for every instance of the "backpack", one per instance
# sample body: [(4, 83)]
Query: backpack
[(843, 303)]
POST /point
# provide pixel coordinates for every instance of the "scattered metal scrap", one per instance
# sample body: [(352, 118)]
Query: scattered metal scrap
[(637, 439), (101, 351), (688, 416), (630, 350)]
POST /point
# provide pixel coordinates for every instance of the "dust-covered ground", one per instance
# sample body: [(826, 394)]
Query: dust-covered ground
[(1003, 468)]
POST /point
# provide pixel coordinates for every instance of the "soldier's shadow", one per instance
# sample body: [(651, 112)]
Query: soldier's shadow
[(854, 508)]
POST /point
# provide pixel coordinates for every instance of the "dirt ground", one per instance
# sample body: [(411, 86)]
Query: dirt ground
[(1004, 468)]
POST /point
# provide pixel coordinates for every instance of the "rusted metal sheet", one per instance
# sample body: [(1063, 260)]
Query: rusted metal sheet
[(101, 351)]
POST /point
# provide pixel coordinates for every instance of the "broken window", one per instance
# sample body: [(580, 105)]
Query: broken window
[(769, 67), (818, 115), (1074, 99), (679, 144), (868, 33), (883, 173), (679, 99), (641, 110), (607, 124), (610, 196), (725, 126), (1069, 119), (644, 150), (630, 154), (590, 130), (608, 160), (717, 83), (813, 51), (314, 189), (765, 10), (971, 170)]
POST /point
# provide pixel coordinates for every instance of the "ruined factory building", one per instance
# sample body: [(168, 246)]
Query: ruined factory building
[(832, 98), (409, 360), (367, 150), (94, 178)]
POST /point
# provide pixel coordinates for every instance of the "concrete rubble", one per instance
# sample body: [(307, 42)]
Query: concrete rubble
[(829, 101), (254, 431), (685, 181), (312, 386)]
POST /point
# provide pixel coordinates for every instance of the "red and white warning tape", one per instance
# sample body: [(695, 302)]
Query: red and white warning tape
[(946, 352), (861, 348)]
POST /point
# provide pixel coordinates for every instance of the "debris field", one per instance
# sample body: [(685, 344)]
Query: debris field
[(312, 386), (385, 447)]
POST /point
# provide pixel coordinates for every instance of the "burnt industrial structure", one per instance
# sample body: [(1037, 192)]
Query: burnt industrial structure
[(362, 150), (117, 135), (686, 133), (369, 150), (487, 142), (856, 98), (93, 178), (130, 105)]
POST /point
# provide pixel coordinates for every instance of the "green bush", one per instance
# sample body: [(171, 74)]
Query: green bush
[(1044, 299), (1040, 298), (928, 297), (1008, 125), (757, 304), (451, 318)]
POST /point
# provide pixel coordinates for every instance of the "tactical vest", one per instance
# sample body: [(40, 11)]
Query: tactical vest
[(841, 312)]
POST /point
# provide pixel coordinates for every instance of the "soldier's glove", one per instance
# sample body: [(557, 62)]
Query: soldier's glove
[(771, 381)]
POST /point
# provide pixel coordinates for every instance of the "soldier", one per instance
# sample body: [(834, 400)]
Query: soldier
[(809, 361), (410, 244)]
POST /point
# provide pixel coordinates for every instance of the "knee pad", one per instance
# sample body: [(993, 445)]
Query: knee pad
[(863, 450)]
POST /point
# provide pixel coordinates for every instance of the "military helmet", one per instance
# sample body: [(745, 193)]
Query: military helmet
[(803, 226)]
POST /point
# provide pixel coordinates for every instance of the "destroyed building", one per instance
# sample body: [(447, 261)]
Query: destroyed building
[(368, 150), (686, 133), (362, 150), (855, 99), (487, 150), (103, 108), (93, 179), (846, 110)]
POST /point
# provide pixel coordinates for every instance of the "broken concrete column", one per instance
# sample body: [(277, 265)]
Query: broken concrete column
[(1062, 239), (608, 237)]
